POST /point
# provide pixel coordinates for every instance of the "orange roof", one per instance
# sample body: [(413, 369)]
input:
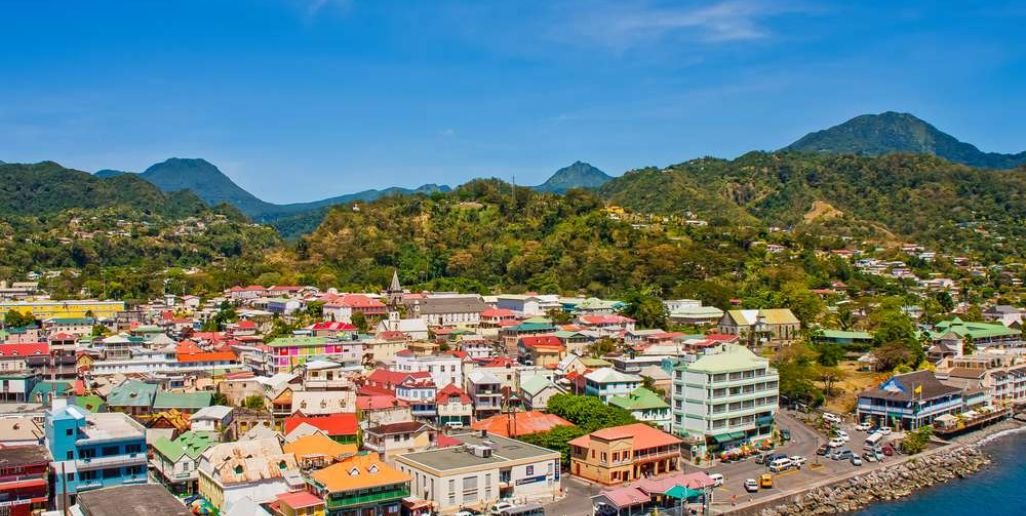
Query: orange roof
[(208, 356), (644, 435), (525, 423), (318, 445), (359, 472)]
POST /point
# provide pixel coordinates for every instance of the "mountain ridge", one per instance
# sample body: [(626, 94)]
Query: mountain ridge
[(577, 175), (893, 132)]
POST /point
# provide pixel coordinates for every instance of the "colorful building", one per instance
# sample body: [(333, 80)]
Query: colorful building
[(362, 484), (46, 309), (91, 451), (23, 480), (624, 453), (646, 406), (300, 503), (289, 352), (256, 469)]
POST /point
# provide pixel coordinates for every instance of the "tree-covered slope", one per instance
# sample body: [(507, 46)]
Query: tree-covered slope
[(205, 180), (908, 195), (891, 132), (46, 187)]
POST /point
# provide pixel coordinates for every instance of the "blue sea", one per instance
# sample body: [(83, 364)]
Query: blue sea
[(998, 489)]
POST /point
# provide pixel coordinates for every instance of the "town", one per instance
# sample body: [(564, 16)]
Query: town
[(289, 400)]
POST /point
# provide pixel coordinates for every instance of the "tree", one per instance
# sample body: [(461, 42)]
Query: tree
[(916, 441), (558, 316), (895, 336), (556, 439), (945, 300), (254, 402), (647, 310), (796, 365), (601, 347), (360, 321), (15, 319), (218, 398), (830, 353), (829, 376), (588, 412)]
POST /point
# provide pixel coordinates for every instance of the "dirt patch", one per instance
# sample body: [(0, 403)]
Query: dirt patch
[(821, 211)]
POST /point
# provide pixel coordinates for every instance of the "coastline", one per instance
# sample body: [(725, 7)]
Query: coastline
[(961, 457)]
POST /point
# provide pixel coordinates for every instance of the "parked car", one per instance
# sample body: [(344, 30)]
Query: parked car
[(822, 450), (467, 512), (767, 458), (888, 450), (781, 464), (841, 434), (798, 460), (831, 418), (499, 507), (785, 434), (751, 485), (886, 430), (856, 460), (766, 481), (863, 427), (869, 457), (836, 442), (842, 454), (717, 479)]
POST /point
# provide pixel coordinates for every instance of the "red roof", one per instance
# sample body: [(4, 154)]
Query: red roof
[(24, 350), (300, 499), (721, 337), (444, 441), (542, 341), (206, 356), (498, 312), (524, 423), (358, 301), (370, 390), (251, 288), (499, 362), (334, 424), (391, 335), (376, 402), (333, 326), (450, 391), (62, 336), (246, 325), (393, 378), (605, 319)]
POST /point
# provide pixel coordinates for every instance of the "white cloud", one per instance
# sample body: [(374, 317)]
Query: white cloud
[(314, 7), (623, 25)]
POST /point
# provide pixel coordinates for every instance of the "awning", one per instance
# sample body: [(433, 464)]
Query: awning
[(682, 493), (764, 420), (728, 437)]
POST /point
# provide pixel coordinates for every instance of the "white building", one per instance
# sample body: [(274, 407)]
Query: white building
[(454, 310), (728, 396), (483, 470), (444, 368)]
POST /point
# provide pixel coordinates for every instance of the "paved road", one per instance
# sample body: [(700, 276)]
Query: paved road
[(804, 441)]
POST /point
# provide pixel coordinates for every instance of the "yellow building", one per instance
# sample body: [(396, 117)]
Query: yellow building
[(302, 503), (47, 309), (624, 453)]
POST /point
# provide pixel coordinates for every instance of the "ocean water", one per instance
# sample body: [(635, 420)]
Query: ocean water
[(997, 490)]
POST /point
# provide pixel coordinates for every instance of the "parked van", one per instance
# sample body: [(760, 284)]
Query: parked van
[(781, 464), (717, 479), (873, 440)]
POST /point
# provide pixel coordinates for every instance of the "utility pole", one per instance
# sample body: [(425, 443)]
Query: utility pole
[(514, 191)]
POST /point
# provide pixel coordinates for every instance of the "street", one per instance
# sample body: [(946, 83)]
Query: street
[(804, 442)]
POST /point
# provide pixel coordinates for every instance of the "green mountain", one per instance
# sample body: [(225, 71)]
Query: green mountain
[(105, 173), (577, 175), (47, 187), (898, 196), (205, 180), (890, 132)]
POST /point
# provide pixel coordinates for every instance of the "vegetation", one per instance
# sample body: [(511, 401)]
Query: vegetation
[(916, 440), (588, 412), (15, 319)]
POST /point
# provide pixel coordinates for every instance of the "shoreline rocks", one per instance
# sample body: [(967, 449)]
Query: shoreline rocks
[(889, 483)]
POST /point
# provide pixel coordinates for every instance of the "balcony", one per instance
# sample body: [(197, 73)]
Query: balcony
[(117, 461), (341, 502)]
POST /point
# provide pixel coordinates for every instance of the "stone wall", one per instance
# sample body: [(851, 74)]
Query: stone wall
[(888, 483)]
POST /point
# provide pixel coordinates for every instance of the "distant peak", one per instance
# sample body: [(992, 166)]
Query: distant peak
[(578, 174)]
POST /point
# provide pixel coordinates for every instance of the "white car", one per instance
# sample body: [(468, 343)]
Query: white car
[(863, 427), (836, 442), (841, 434), (751, 485), (831, 418), (885, 430), (499, 507), (717, 479), (798, 460)]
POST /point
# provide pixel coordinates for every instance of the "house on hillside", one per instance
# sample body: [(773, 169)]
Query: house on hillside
[(763, 325)]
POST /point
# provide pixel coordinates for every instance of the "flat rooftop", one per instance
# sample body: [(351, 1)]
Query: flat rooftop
[(503, 449), (106, 426), (137, 500), (17, 456)]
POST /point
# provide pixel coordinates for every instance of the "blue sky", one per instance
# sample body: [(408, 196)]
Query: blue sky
[(301, 99)]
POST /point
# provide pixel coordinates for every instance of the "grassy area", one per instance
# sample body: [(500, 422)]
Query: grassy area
[(845, 392)]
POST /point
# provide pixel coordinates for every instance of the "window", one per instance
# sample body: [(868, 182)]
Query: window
[(530, 469), (71, 455), (69, 432), (132, 448), (110, 450), (71, 477), (87, 453), (452, 491), (111, 473)]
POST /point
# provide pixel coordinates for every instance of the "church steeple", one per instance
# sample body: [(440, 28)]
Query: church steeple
[(395, 290)]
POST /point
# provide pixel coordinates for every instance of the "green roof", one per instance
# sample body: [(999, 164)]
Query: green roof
[(182, 400), (849, 335), (298, 341), (538, 320), (972, 330), (639, 399), (531, 327), (42, 392), (132, 393), (733, 358), (594, 363), (92, 402), (191, 444), (534, 385)]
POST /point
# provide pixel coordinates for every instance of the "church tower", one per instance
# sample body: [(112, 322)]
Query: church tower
[(395, 301)]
